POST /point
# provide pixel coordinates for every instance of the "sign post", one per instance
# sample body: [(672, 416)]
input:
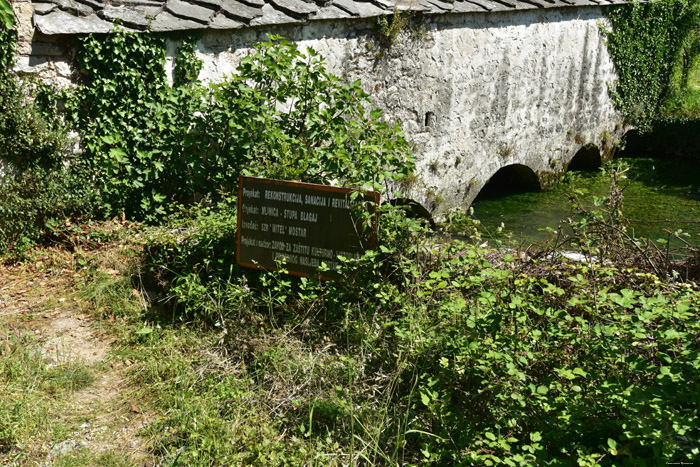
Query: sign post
[(300, 226)]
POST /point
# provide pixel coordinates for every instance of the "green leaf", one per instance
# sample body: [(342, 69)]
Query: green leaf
[(7, 15), (425, 399)]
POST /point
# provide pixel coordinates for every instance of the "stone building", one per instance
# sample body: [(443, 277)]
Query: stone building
[(514, 87)]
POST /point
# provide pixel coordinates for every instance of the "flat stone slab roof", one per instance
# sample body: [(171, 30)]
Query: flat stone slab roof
[(99, 16)]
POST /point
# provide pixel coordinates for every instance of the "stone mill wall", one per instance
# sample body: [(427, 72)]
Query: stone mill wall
[(474, 92)]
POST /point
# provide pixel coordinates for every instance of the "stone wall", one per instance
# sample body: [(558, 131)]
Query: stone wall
[(46, 57), (474, 92)]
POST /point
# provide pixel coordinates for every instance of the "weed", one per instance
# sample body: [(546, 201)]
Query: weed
[(506, 150), (434, 166)]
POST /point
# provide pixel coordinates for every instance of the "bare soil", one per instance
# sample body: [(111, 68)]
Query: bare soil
[(41, 298)]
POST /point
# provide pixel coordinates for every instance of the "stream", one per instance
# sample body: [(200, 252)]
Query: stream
[(658, 194)]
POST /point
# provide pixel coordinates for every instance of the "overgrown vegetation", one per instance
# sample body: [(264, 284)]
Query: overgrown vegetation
[(432, 350), (7, 16), (40, 184), (147, 145), (653, 46), (282, 114)]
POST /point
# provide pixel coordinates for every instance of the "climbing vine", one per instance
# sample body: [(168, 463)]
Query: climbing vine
[(646, 42), (40, 183), (7, 16), (132, 122), (149, 143)]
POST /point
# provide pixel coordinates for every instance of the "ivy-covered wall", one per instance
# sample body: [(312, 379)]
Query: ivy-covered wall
[(647, 42), (473, 92)]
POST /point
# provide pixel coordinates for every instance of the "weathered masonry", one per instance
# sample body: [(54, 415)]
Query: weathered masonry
[(480, 86)]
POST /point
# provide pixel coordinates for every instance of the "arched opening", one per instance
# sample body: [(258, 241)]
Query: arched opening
[(587, 158), (516, 178), (414, 210)]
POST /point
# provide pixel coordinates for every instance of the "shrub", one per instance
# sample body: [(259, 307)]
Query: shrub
[(39, 202), (40, 185)]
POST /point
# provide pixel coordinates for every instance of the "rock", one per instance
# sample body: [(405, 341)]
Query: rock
[(221, 21), (347, 5), (295, 7), (165, 22), (137, 17), (60, 22), (43, 8), (65, 447)]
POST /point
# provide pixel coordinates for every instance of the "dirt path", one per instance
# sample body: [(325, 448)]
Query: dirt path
[(101, 419)]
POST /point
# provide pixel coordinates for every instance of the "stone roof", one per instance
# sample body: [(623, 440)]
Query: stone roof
[(99, 16)]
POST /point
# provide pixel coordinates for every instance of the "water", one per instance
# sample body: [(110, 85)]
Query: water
[(658, 194)]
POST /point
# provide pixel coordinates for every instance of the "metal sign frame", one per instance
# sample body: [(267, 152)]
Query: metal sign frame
[(300, 224)]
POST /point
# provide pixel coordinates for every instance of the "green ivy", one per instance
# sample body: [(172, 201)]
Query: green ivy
[(646, 42), (7, 16), (282, 115), (129, 117), (40, 184)]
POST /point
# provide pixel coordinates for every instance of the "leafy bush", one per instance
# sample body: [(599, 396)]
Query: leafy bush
[(284, 116), (40, 185), (38, 202)]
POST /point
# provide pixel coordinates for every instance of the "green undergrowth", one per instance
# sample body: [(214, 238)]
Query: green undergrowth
[(431, 351), (34, 393)]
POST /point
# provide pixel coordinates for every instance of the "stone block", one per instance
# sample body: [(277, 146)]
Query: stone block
[(297, 8), (330, 12), (61, 22), (75, 8), (136, 17), (274, 16), (43, 8), (166, 22), (254, 3), (240, 11), (221, 21), (350, 6), (49, 49), (189, 11)]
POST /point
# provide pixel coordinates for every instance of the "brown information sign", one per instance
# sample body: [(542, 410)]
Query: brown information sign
[(299, 224)]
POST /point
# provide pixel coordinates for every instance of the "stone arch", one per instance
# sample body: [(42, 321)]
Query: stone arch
[(514, 178), (587, 158), (414, 209)]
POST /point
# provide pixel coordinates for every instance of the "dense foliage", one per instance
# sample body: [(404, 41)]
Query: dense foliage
[(40, 184), (431, 351), (281, 115), (7, 16), (147, 144), (434, 350), (647, 42)]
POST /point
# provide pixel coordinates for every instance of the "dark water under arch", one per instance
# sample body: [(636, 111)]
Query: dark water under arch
[(656, 190)]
